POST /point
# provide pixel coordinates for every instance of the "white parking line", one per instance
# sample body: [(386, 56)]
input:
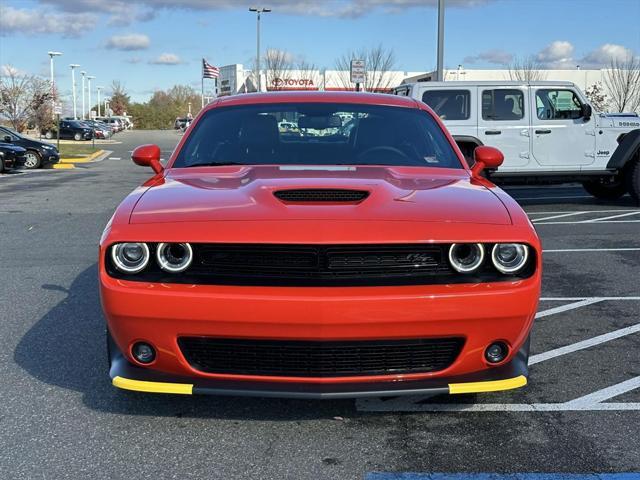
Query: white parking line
[(573, 299), (591, 342), (569, 306), (115, 158), (578, 250), (606, 393), (551, 198), (584, 222), (553, 217), (612, 217), (582, 211)]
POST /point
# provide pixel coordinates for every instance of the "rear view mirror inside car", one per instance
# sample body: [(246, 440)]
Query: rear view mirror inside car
[(319, 122)]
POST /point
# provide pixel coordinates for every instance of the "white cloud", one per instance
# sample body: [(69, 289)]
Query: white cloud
[(167, 59), (495, 56), (605, 54), (131, 41), (41, 21), (558, 54)]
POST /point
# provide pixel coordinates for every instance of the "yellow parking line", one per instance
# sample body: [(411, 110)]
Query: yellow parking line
[(62, 166), (88, 159)]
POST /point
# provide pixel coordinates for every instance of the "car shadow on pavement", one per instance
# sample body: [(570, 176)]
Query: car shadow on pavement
[(66, 348)]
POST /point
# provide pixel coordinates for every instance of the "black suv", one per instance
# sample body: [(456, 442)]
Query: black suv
[(71, 130), (38, 153)]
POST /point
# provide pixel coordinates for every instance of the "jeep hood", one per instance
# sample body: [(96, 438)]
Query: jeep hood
[(247, 193)]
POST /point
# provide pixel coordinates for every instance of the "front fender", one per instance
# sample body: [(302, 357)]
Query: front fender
[(624, 153)]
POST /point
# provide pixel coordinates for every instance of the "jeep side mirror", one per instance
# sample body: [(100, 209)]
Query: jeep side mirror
[(486, 157), (148, 156), (587, 111)]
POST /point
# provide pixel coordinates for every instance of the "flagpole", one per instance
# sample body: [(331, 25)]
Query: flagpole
[(202, 82)]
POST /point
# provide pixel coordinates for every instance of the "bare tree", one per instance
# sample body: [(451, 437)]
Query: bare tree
[(378, 61), (597, 97), (526, 69), (120, 100), (309, 73), (623, 82), (279, 64), (21, 96)]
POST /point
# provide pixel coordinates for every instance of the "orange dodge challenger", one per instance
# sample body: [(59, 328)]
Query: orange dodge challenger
[(355, 255)]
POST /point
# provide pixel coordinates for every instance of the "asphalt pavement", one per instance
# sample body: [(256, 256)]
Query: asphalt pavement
[(61, 418)]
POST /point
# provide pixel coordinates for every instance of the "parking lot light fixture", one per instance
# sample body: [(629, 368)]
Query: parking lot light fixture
[(89, 78), (258, 12), (53, 80), (99, 89), (73, 89), (84, 74)]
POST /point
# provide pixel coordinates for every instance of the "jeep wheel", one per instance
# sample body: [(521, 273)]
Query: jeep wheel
[(633, 180), (48, 135), (605, 191), (32, 160)]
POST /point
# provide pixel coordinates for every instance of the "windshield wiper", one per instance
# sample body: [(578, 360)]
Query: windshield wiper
[(214, 164)]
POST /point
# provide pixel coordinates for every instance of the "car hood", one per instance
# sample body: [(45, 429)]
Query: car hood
[(247, 193)]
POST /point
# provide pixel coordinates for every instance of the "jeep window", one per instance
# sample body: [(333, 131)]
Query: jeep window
[(449, 104), (558, 105), (502, 104), (322, 134)]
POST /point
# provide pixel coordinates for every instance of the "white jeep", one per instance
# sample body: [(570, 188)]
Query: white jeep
[(546, 130)]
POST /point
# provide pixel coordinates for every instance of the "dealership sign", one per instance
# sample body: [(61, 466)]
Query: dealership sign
[(292, 82), (358, 71)]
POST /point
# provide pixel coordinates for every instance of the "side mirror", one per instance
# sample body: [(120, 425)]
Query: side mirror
[(486, 157), (587, 111), (7, 139), (148, 156)]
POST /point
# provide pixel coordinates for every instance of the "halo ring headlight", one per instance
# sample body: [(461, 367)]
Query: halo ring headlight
[(174, 257), (509, 257), (466, 257), (130, 257)]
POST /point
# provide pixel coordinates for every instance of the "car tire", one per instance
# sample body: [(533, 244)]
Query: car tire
[(605, 191), (1, 164), (48, 135), (632, 177), (77, 137), (32, 160)]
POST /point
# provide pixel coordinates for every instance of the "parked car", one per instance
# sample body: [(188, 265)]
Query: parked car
[(10, 156), (100, 130), (546, 129), (38, 154), (71, 130), (113, 122), (324, 267), (182, 123)]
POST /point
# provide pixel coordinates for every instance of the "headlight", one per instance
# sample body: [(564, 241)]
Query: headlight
[(174, 257), (509, 257), (466, 257), (130, 257)]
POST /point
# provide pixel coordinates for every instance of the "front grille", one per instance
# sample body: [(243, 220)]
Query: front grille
[(323, 195), (319, 359)]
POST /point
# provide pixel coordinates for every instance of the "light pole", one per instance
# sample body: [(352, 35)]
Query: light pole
[(73, 89), (53, 81), (440, 68), (89, 78), (84, 74), (99, 88), (258, 11)]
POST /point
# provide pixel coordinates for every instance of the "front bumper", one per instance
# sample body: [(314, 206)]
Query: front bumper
[(127, 376), (49, 157)]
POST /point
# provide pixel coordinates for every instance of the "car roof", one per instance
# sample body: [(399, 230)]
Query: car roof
[(315, 97), (499, 83)]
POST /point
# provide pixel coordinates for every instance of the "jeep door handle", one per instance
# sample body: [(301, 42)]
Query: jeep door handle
[(492, 132), (543, 132)]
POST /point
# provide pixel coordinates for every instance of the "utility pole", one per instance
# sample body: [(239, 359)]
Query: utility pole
[(84, 74), (89, 78), (99, 88), (440, 70), (53, 81), (73, 89), (258, 11)]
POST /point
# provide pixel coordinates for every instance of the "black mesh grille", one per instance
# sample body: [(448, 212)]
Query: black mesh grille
[(319, 359), (322, 195)]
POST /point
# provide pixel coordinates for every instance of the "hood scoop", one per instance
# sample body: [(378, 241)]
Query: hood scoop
[(321, 195)]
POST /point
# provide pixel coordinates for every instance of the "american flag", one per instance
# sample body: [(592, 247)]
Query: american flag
[(209, 71)]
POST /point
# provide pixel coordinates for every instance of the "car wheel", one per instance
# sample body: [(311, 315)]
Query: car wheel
[(1, 164), (32, 160), (633, 179), (605, 191), (77, 137), (48, 135)]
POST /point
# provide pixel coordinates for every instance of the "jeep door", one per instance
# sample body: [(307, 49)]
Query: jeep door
[(504, 123), (561, 136)]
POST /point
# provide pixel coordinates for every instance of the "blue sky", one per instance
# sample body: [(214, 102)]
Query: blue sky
[(154, 44)]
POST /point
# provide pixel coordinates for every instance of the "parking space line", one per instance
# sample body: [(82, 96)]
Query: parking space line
[(585, 222), (618, 210), (578, 250), (612, 217), (569, 306), (563, 215), (573, 299), (606, 393), (591, 342), (551, 198)]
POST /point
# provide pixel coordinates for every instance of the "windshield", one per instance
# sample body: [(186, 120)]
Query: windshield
[(317, 134)]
